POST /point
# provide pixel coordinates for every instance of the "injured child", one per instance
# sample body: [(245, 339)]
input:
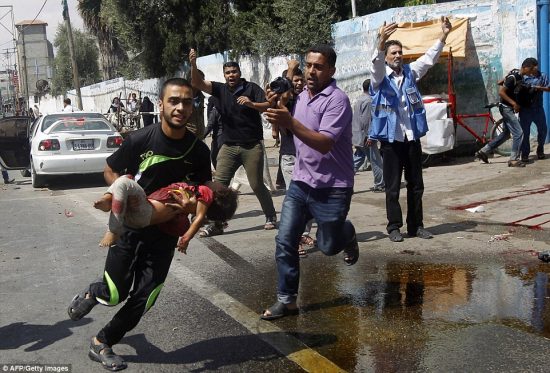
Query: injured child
[(168, 207)]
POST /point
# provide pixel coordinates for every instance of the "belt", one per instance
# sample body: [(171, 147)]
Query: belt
[(234, 143)]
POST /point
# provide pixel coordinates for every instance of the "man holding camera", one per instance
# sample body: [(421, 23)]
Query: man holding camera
[(322, 181), (239, 105)]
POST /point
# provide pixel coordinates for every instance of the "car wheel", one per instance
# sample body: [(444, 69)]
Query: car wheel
[(25, 173), (37, 180)]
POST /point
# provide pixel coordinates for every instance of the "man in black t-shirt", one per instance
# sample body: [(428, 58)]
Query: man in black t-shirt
[(139, 261), (239, 104), (513, 94)]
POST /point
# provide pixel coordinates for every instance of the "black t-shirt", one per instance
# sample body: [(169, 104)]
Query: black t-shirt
[(518, 90), (240, 123), (157, 160)]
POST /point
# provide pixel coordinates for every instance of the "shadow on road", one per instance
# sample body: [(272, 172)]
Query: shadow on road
[(20, 333), (216, 353)]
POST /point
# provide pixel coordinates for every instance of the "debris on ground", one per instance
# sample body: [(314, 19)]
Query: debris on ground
[(68, 213), (500, 237), (479, 208), (545, 256)]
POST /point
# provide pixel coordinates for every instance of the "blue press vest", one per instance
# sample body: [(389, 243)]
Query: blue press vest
[(385, 108)]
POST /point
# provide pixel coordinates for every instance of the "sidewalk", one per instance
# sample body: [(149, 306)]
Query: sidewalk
[(515, 204)]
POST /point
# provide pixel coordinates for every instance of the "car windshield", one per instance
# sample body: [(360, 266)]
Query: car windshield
[(51, 119), (68, 125)]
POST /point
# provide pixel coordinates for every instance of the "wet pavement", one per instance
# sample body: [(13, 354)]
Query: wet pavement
[(473, 298)]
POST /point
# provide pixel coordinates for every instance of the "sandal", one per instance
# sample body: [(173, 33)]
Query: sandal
[(301, 251), (108, 359), (80, 306), (277, 311), (351, 252), (308, 241)]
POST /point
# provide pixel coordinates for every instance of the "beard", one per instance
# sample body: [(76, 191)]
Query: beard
[(176, 126), (395, 65)]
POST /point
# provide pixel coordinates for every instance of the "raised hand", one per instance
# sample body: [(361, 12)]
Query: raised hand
[(385, 32), (193, 57), (446, 26)]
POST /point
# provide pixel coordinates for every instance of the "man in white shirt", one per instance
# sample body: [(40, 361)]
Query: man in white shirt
[(398, 122), (67, 107)]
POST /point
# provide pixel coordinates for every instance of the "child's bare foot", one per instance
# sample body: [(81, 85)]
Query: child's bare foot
[(108, 239), (104, 204)]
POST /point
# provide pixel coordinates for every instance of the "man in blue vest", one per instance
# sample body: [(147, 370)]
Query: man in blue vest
[(398, 122)]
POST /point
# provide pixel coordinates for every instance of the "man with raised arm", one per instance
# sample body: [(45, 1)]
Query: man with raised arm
[(239, 104), (398, 122)]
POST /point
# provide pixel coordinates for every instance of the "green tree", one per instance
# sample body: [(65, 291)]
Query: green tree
[(111, 52), (275, 27), (86, 60)]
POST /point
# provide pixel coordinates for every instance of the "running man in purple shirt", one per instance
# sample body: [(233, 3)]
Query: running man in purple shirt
[(322, 181)]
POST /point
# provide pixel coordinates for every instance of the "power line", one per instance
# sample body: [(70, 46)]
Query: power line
[(40, 11)]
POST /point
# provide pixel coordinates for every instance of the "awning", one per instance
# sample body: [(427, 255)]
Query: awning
[(418, 37)]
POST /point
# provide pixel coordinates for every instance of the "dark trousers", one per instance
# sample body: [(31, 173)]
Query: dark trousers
[(135, 268), (399, 156), (527, 116), (280, 181)]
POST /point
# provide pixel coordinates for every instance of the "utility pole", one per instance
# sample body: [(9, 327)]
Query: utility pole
[(76, 78), (11, 80)]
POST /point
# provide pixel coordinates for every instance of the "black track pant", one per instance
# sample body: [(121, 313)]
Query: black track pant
[(135, 268), (408, 156)]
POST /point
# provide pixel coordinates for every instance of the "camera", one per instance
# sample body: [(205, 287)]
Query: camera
[(280, 85)]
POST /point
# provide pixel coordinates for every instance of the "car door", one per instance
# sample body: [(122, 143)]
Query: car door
[(14, 143)]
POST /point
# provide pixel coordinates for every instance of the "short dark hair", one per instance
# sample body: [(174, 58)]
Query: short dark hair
[(297, 72), (67, 101), (225, 202), (174, 81), (389, 43), (231, 64), (326, 50), (366, 85), (530, 62)]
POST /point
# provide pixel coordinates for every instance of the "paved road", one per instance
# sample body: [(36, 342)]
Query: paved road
[(474, 298)]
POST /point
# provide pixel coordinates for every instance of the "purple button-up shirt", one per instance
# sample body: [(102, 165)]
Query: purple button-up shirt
[(329, 113)]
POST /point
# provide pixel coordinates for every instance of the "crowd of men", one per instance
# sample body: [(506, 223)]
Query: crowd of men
[(318, 129)]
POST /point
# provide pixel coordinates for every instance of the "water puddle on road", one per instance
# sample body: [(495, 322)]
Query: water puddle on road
[(404, 316)]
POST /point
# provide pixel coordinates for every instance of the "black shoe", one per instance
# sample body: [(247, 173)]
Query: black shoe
[(525, 160), (421, 233), (395, 236), (516, 164), (482, 156), (541, 155), (9, 181)]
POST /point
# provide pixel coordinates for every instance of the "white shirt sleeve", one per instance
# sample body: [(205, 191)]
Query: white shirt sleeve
[(378, 69), (421, 66)]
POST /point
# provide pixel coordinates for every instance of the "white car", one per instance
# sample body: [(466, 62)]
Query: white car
[(67, 143)]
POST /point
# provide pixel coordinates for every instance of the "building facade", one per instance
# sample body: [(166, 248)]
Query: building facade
[(35, 56)]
